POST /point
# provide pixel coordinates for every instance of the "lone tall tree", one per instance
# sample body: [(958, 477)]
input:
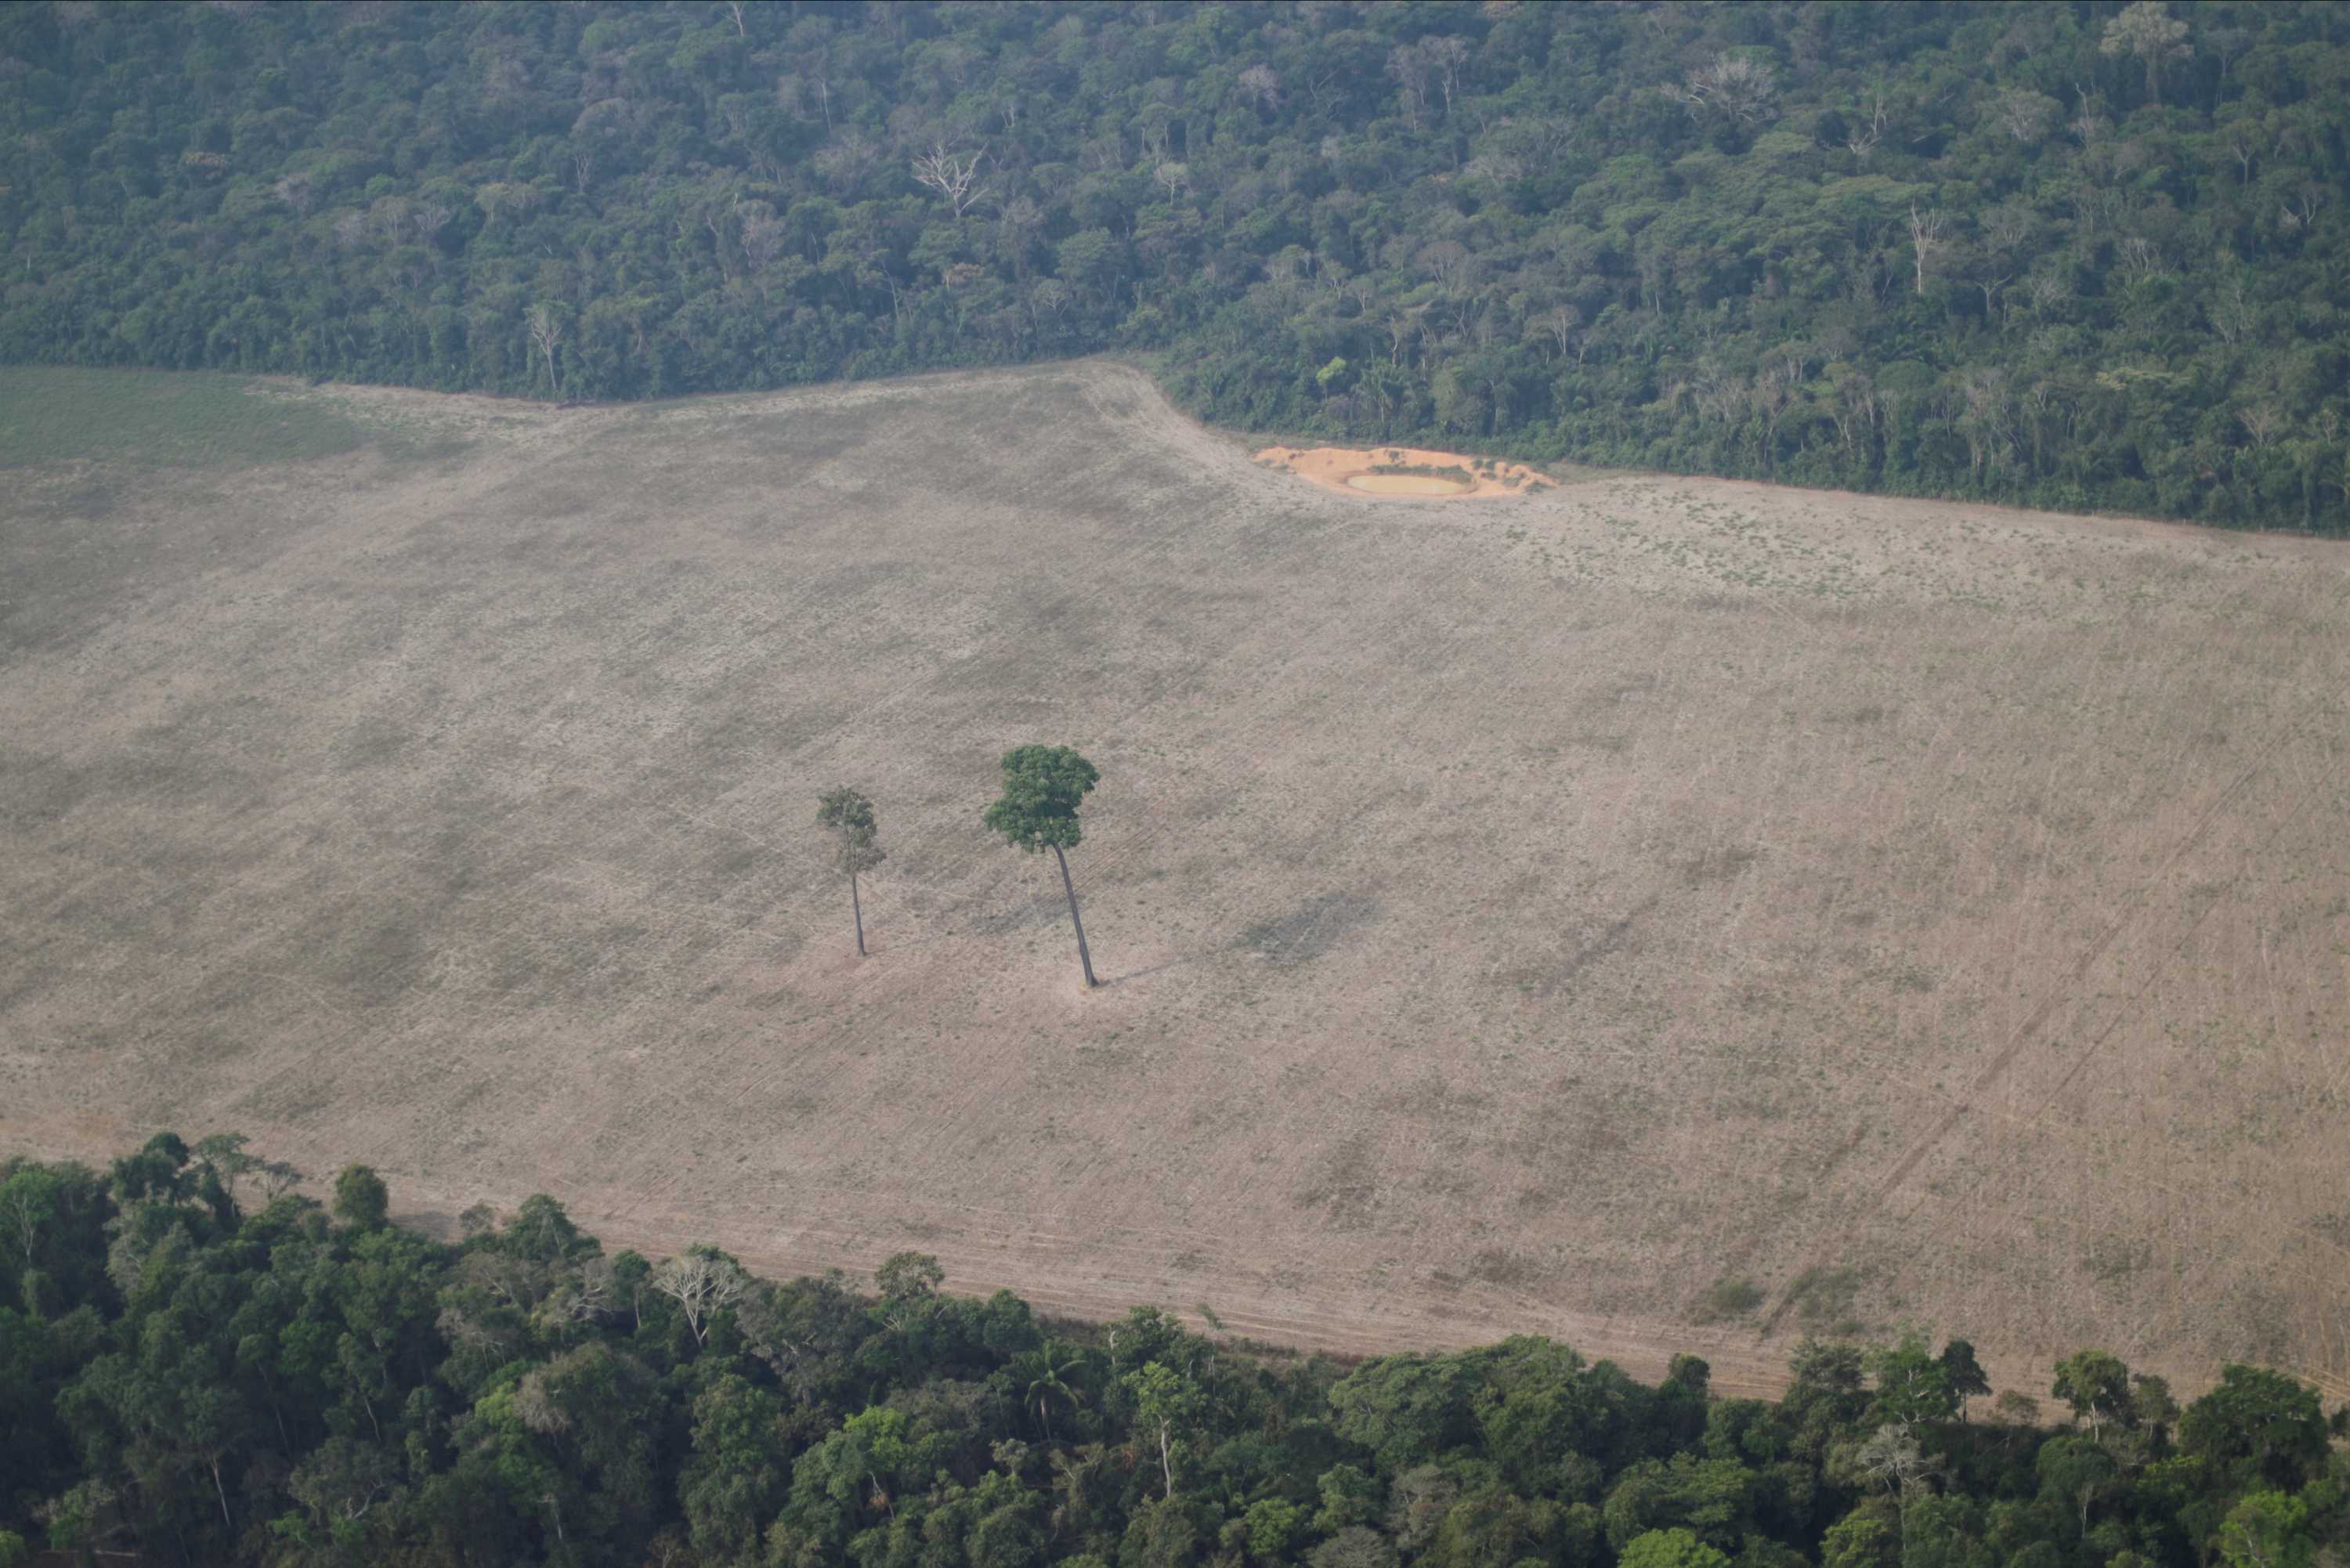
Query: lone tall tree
[(1043, 786), (849, 817)]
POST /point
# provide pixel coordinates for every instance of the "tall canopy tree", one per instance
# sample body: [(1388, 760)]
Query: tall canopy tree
[(1043, 787), (847, 816)]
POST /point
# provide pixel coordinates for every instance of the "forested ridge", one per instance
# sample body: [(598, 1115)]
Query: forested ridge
[(198, 1365), (2080, 255)]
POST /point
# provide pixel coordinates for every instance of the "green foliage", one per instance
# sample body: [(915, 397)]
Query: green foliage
[(210, 1383), (360, 1200), (1669, 1549), (847, 816), (2074, 256), (1043, 787)]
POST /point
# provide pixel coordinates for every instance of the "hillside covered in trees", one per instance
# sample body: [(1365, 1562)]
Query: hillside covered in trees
[(198, 1367), (2080, 256)]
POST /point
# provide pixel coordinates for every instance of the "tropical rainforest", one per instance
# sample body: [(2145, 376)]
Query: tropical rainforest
[(2083, 256), (198, 1365)]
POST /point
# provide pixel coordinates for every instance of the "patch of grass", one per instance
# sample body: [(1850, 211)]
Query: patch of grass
[(157, 419), (1823, 1300), (1725, 1299), (1427, 471)]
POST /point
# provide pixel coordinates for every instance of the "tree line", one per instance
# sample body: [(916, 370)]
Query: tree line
[(2084, 256), (199, 1365)]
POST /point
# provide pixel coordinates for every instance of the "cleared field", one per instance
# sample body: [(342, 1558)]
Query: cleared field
[(1543, 912)]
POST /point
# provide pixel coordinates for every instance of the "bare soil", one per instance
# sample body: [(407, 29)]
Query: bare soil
[(1355, 470), (1540, 916)]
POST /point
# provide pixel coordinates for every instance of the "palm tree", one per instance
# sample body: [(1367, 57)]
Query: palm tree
[(1046, 1370)]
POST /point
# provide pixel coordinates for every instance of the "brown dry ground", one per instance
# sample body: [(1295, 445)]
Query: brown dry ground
[(1516, 916)]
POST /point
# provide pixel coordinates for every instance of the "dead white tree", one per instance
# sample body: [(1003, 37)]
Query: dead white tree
[(1863, 137), (1929, 233), (1260, 83), (1890, 1458), (953, 175), (2229, 308), (2261, 423), (702, 1283), (1447, 56), (2141, 257), (1736, 86), (547, 334), (2025, 115), (1409, 68)]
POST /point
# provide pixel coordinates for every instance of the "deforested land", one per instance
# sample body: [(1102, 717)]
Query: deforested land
[(1664, 914)]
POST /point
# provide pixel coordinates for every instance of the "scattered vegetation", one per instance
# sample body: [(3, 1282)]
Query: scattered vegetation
[(1451, 472), (1726, 1299)]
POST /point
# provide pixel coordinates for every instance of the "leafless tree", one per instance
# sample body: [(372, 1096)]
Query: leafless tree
[(702, 1283), (2148, 30), (761, 236), (1854, 409), (1890, 1458), (1449, 261), (545, 334), (2047, 289), (1866, 135), (1989, 280), (1927, 232), (2229, 308), (296, 191), (2141, 257), (2261, 423), (1447, 56), (1262, 84), (1984, 419), (2244, 144), (953, 175), (1736, 86), (734, 9), (1564, 325), (1175, 177), (2300, 207), (2025, 115)]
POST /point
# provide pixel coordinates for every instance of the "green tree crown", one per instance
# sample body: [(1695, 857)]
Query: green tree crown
[(1043, 787)]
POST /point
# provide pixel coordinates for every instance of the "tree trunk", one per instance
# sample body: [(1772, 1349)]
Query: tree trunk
[(856, 905), (1166, 1462), (221, 1492), (1084, 958)]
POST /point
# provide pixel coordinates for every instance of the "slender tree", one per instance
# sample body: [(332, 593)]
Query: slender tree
[(1043, 787), (849, 817)]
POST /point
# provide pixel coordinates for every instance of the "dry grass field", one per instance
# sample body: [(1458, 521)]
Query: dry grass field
[(1664, 914)]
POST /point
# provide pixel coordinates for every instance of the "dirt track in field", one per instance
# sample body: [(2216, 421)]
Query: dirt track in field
[(1521, 917)]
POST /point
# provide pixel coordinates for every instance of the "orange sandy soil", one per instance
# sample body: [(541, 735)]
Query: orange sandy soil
[(1332, 466)]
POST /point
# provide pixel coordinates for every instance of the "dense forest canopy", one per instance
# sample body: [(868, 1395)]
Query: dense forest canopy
[(2083, 256), (198, 1366)]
